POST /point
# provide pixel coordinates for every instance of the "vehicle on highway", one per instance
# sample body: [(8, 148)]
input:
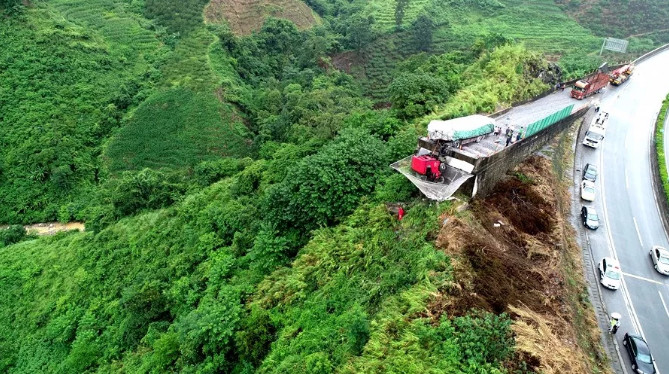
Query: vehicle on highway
[(590, 172), (587, 190), (660, 258), (589, 217), (594, 136), (642, 360), (610, 273), (590, 86)]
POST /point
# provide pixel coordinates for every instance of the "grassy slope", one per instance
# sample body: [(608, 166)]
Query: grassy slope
[(164, 290), (96, 60), (622, 18), (176, 128), (187, 120), (541, 25), (64, 77)]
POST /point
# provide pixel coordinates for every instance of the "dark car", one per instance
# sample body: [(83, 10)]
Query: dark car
[(590, 172), (589, 217), (642, 361)]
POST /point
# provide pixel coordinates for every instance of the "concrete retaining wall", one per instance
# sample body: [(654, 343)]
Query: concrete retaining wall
[(490, 170)]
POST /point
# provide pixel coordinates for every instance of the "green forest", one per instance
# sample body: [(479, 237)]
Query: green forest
[(234, 187)]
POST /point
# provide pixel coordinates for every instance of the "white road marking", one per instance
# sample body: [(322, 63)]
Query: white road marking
[(642, 278), (663, 304), (612, 250), (627, 183), (637, 231)]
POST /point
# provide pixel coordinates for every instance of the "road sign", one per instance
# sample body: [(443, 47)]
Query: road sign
[(615, 45)]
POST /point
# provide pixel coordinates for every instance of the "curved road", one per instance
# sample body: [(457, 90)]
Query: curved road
[(630, 220)]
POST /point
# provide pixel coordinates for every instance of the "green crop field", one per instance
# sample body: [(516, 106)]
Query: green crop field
[(176, 128), (384, 13)]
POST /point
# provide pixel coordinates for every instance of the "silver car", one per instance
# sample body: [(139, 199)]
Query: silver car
[(660, 258), (587, 191)]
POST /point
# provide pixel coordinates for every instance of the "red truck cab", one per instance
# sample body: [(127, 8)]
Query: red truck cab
[(426, 165), (590, 86)]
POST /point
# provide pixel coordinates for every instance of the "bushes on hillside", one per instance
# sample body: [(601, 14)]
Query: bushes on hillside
[(414, 95), (324, 187), (12, 234)]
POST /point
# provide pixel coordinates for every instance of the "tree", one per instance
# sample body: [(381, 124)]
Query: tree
[(12, 234), (10, 6), (422, 29), (400, 9), (328, 185), (359, 31), (416, 94)]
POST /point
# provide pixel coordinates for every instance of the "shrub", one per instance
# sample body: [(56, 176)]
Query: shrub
[(416, 94), (318, 190), (12, 234), (147, 189)]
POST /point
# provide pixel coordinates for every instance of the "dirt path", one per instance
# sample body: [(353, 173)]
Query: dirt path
[(51, 228)]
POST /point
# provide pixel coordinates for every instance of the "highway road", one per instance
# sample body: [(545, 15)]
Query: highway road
[(630, 220)]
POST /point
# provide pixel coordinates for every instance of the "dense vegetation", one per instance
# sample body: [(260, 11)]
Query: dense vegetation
[(234, 188), (659, 146), (621, 18)]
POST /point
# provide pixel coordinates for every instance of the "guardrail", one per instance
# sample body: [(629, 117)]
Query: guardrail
[(651, 53)]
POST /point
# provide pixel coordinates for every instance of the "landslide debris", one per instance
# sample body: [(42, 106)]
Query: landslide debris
[(512, 253)]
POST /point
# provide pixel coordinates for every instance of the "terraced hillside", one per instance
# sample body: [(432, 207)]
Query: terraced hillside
[(541, 25), (246, 16), (384, 13), (622, 18)]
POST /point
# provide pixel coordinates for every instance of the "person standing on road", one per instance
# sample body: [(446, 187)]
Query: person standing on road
[(614, 323)]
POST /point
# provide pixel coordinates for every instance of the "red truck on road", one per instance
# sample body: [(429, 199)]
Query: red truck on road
[(589, 86)]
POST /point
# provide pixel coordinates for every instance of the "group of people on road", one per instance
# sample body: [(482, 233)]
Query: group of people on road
[(509, 134)]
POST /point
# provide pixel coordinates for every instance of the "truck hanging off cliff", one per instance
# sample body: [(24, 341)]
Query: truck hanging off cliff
[(620, 75), (442, 135), (590, 86)]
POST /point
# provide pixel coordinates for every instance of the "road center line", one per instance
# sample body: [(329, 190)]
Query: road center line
[(612, 251), (642, 278), (637, 231), (663, 304)]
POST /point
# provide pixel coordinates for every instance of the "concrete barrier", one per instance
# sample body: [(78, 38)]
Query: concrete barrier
[(651, 53)]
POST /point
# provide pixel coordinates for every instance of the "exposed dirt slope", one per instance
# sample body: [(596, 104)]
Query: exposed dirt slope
[(514, 254), (246, 16)]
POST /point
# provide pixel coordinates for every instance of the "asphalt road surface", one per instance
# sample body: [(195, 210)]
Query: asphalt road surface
[(630, 222)]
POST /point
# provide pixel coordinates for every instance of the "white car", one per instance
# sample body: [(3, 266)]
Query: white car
[(587, 190), (610, 273), (660, 258)]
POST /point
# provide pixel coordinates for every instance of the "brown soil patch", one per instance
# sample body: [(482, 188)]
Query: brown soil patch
[(508, 257), (347, 61), (247, 16)]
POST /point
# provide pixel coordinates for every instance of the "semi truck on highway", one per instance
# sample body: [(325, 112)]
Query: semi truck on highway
[(590, 86), (447, 134), (620, 75)]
